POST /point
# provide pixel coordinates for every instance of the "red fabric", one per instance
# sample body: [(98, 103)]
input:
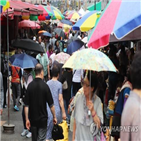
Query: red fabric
[(42, 17), (20, 7), (105, 26), (32, 9), (15, 74)]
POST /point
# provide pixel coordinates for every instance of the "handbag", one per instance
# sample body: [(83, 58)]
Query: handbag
[(64, 126), (65, 85), (57, 132)]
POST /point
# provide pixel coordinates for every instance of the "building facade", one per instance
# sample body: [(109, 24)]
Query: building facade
[(69, 4)]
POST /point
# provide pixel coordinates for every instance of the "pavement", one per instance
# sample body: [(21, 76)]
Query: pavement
[(16, 119)]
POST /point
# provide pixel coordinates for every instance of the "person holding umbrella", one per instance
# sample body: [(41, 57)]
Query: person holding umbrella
[(88, 114)]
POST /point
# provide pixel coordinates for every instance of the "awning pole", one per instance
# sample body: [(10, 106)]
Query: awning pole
[(8, 67)]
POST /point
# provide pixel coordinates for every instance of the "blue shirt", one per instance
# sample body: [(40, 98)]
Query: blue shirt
[(120, 102)]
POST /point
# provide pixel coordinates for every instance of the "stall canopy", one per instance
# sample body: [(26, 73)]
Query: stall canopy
[(20, 8)]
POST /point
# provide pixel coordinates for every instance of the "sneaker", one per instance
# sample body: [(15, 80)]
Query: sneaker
[(24, 133), (16, 108), (29, 135)]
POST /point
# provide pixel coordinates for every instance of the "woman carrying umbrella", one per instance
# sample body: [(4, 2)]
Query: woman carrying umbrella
[(88, 114)]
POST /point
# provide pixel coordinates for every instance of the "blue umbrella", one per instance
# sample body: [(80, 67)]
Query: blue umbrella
[(23, 61), (47, 34), (74, 46), (65, 21)]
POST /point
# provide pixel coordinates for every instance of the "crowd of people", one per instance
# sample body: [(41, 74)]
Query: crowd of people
[(50, 94)]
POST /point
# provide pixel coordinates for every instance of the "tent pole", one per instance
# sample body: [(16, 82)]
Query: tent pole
[(89, 112), (8, 128), (8, 67)]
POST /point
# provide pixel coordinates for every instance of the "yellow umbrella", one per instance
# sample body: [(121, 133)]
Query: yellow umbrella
[(87, 22), (73, 16)]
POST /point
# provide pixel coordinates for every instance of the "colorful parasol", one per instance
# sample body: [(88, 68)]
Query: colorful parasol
[(64, 26), (73, 16), (87, 22), (4, 4), (66, 13), (46, 13), (28, 24), (56, 13), (41, 32), (62, 57), (90, 59), (120, 21), (65, 21)]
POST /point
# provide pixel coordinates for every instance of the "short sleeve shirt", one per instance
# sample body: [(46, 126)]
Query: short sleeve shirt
[(44, 61), (38, 94)]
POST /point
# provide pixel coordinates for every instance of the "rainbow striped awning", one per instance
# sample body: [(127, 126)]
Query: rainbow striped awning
[(56, 13)]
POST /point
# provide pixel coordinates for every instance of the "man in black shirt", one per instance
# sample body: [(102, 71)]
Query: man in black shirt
[(38, 94)]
